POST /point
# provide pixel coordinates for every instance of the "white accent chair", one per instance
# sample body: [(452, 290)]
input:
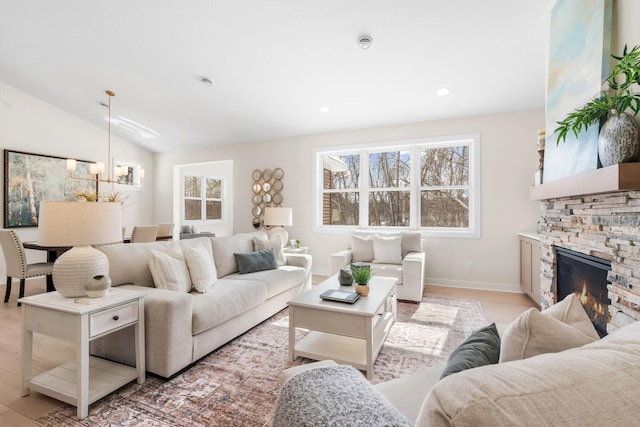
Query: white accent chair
[(144, 233), (16, 262), (400, 255)]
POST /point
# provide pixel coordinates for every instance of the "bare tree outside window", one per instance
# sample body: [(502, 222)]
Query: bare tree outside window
[(202, 198), (340, 198), (444, 194), (389, 195), (426, 184)]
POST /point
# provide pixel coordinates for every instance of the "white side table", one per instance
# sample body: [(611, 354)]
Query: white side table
[(86, 379), (298, 250)]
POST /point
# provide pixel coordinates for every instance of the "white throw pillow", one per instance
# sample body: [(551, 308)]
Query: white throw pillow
[(169, 270), (202, 269), (387, 249), (361, 249), (275, 243), (561, 327)]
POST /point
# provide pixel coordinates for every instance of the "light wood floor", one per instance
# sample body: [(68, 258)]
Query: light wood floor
[(15, 410)]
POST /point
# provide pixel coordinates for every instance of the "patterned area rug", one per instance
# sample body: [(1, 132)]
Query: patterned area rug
[(237, 385)]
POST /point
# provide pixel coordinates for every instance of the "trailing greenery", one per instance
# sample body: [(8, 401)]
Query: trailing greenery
[(618, 96), (362, 275)]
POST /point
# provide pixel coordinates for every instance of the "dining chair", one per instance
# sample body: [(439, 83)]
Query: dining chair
[(144, 233), (165, 230), (16, 262)]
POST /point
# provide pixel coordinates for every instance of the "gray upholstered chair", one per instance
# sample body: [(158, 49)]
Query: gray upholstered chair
[(144, 233), (16, 262)]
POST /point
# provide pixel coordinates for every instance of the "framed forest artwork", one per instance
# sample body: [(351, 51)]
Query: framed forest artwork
[(30, 178)]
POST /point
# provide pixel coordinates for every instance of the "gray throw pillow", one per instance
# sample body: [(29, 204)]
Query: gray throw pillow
[(481, 348), (251, 262)]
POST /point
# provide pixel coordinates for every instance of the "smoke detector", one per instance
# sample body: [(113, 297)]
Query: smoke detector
[(365, 42)]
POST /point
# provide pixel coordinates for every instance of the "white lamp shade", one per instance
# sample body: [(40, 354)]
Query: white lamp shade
[(79, 223), (278, 216)]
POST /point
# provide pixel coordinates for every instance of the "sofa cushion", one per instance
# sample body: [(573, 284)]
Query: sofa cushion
[(129, 262), (411, 240), (251, 262), (388, 270), (202, 269), (225, 247), (596, 384), (361, 249), (571, 312), (277, 281), (480, 348), (169, 269), (534, 333), (387, 249), (261, 243), (225, 300)]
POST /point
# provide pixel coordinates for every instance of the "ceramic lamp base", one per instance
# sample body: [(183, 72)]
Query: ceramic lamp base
[(76, 267)]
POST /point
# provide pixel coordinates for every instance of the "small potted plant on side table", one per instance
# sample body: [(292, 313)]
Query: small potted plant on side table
[(362, 275)]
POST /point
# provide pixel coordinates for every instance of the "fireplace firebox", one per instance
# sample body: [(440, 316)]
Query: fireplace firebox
[(586, 276)]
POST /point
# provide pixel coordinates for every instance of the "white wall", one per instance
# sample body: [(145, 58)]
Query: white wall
[(508, 163), (31, 125)]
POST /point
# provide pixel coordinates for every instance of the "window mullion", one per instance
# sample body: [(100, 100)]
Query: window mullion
[(363, 188)]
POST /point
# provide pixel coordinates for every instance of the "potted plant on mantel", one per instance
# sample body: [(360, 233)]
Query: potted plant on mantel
[(362, 275), (619, 139)]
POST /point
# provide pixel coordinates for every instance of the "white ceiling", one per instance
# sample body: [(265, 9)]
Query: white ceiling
[(274, 62)]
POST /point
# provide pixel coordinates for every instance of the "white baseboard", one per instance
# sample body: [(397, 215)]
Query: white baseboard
[(485, 286)]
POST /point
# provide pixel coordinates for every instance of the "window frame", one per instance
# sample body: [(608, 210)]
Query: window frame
[(414, 146), (204, 199)]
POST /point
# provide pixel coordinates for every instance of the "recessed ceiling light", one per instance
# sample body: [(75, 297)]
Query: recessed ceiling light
[(365, 42), (443, 91), (207, 81), (323, 109)]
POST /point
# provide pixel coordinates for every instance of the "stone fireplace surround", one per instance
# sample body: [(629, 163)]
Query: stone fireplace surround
[(605, 225)]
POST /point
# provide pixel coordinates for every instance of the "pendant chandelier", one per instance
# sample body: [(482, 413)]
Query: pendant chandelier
[(97, 169)]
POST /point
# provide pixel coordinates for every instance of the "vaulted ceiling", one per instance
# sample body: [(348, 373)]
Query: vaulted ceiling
[(274, 63)]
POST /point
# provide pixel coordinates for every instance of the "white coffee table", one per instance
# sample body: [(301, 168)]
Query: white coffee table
[(347, 333)]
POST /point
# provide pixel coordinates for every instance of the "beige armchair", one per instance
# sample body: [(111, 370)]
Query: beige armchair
[(400, 255)]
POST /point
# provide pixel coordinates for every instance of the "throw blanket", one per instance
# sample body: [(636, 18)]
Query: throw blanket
[(334, 396)]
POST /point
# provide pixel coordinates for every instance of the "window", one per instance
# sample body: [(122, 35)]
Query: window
[(432, 185), (202, 198)]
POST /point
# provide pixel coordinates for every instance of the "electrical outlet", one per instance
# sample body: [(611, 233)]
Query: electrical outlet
[(469, 265)]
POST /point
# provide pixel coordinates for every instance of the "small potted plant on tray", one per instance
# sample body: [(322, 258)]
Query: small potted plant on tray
[(362, 275)]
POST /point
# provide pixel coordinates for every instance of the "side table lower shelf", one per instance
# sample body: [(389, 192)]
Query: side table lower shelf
[(104, 378)]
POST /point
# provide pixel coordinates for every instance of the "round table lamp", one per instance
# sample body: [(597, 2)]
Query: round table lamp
[(79, 225), (277, 218)]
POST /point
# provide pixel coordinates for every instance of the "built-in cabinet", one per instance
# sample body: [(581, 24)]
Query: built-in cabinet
[(530, 254)]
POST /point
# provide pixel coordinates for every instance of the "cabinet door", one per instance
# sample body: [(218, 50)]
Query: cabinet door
[(525, 265), (536, 265)]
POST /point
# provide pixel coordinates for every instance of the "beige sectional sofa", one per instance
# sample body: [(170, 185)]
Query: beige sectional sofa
[(595, 384), (400, 255), (182, 327)]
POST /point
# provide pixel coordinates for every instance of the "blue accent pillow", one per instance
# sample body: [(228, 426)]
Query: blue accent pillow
[(481, 348), (251, 262)]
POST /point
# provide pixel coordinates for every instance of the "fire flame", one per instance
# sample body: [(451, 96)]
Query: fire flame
[(595, 308)]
